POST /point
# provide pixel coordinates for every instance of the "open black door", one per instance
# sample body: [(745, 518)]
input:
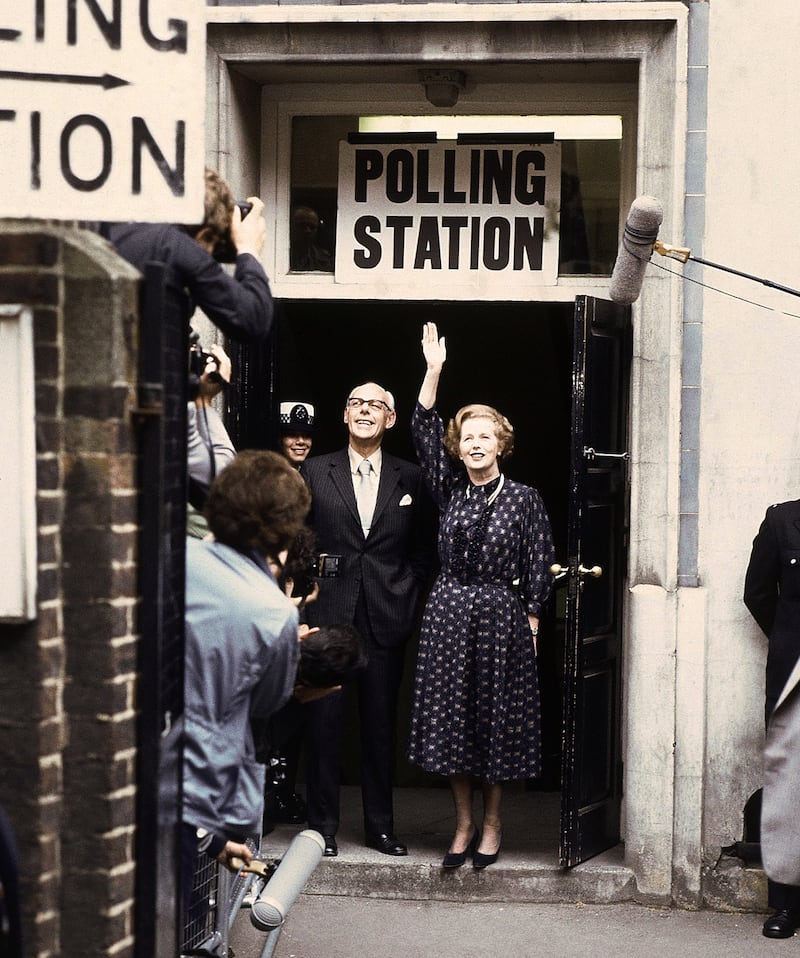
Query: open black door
[(591, 779)]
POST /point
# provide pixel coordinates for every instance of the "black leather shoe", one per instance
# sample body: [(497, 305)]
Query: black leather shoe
[(387, 843), (457, 859), (331, 848), (780, 925), (481, 861)]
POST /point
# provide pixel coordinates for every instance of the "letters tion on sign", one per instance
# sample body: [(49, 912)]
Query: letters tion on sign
[(101, 109)]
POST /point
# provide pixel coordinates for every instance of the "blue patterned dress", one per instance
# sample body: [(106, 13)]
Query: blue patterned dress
[(476, 692)]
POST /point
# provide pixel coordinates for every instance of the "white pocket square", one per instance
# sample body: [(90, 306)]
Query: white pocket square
[(406, 500)]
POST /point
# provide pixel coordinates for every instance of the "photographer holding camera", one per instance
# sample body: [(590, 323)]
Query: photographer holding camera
[(241, 305), (209, 447), (243, 657), (281, 740)]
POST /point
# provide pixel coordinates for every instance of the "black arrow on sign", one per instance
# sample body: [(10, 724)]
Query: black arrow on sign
[(106, 81)]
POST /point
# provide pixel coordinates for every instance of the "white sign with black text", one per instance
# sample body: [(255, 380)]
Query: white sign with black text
[(102, 107), (485, 214)]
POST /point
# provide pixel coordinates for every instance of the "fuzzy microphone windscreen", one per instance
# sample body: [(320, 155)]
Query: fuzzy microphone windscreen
[(635, 250)]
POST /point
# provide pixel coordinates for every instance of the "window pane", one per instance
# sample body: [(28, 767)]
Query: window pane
[(590, 172), (314, 179), (590, 184)]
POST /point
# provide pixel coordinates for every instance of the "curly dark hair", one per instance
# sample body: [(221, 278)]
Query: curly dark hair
[(503, 429), (300, 562), (331, 656), (259, 501)]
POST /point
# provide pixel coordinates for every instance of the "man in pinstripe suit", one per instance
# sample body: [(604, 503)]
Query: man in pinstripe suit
[(370, 508)]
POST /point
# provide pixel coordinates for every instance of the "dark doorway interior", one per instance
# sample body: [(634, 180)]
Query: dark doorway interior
[(514, 356)]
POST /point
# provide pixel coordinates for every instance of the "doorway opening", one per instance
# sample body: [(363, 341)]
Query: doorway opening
[(514, 356)]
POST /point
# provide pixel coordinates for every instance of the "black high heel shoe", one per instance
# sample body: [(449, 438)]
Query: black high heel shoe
[(457, 859), (481, 861)]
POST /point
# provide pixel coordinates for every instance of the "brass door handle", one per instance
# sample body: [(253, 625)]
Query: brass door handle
[(558, 570)]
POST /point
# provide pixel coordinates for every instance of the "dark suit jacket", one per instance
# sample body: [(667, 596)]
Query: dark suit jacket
[(240, 305), (772, 591), (391, 564)]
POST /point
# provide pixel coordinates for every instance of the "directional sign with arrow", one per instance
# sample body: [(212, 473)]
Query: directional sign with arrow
[(106, 81), (101, 113)]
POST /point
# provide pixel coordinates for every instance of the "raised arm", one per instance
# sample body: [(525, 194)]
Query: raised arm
[(435, 353)]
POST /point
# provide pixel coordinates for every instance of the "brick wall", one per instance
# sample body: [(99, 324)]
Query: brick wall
[(67, 680)]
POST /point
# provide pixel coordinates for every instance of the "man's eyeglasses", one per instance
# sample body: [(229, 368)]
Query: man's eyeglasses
[(375, 404)]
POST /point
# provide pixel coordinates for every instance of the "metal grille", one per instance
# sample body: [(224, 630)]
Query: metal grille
[(201, 916), (215, 899)]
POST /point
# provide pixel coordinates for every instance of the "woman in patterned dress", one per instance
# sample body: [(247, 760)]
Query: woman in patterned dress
[(476, 697)]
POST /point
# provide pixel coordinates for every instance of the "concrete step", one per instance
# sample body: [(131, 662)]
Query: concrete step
[(527, 870)]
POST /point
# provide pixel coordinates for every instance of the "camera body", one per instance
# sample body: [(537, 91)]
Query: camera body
[(199, 364), (200, 360), (322, 565), (225, 251), (327, 565)]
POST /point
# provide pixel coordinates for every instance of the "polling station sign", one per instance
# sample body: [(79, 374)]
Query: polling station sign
[(484, 214), (102, 105)]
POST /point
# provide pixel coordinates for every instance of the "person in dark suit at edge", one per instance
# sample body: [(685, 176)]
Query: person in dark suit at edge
[(772, 595), (370, 508), (780, 823)]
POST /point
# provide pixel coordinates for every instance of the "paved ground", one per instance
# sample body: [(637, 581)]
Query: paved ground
[(323, 927)]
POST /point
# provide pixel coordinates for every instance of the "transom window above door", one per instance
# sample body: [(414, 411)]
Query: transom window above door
[(587, 220)]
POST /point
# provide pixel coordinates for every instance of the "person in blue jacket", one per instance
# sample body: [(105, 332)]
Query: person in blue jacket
[(242, 648)]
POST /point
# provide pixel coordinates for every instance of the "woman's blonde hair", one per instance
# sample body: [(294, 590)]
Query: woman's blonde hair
[(503, 429)]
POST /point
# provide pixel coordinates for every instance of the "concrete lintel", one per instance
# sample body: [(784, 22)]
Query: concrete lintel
[(450, 12)]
